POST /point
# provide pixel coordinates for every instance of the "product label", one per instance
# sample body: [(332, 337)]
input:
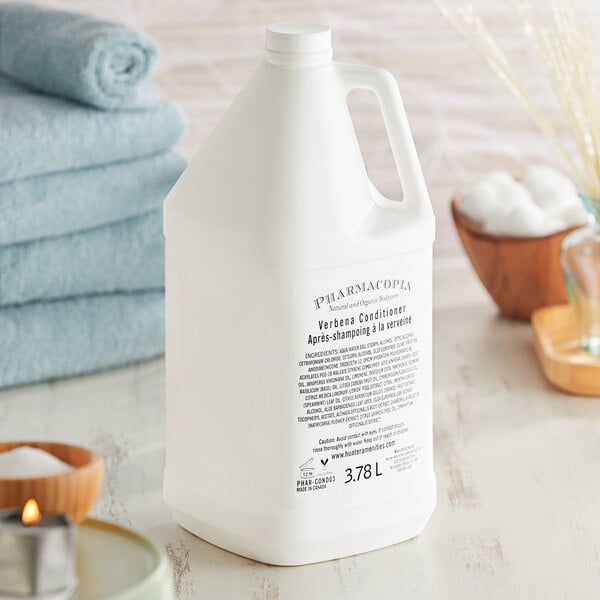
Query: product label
[(363, 376)]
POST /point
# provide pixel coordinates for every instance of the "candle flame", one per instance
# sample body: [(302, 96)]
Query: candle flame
[(31, 513)]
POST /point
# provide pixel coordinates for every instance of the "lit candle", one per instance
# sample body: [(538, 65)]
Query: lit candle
[(37, 554)]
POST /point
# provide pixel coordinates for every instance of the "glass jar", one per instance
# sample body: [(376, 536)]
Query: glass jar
[(580, 261)]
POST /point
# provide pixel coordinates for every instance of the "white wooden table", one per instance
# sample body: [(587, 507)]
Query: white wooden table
[(518, 467)]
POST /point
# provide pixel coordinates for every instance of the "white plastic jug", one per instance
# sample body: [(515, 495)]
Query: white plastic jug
[(299, 321)]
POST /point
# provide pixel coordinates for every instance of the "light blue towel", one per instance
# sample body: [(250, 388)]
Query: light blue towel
[(46, 134), (48, 340), (60, 203), (123, 257), (76, 56)]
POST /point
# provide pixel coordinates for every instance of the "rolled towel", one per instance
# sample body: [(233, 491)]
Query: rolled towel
[(61, 203), (48, 340), (123, 257), (46, 134), (76, 56)]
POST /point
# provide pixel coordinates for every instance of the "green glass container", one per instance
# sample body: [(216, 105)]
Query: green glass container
[(580, 261)]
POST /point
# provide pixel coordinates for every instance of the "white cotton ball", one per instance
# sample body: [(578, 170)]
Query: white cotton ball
[(497, 214), (492, 201), (545, 202), (572, 215), (520, 220), (514, 193), (551, 224), (479, 201), (549, 188)]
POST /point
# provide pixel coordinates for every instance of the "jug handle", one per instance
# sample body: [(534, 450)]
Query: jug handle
[(385, 87)]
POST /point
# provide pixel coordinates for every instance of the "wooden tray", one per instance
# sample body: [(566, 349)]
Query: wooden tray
[(557, 346)]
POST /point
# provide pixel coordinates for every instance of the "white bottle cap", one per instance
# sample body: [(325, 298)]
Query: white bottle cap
[(299, 38)]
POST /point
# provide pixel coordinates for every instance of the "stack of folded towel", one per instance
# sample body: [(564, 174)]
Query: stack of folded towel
[(86, 160)]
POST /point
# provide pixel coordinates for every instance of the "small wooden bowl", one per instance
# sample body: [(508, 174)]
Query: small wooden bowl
[(521, 274), (73, 493)]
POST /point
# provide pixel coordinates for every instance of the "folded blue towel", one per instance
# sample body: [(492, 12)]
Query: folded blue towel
[(45, 134), (48, 340), (60, 203), (123, 257), (76, 56)]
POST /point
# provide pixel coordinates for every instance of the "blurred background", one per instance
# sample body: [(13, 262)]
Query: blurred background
[(463, 119)]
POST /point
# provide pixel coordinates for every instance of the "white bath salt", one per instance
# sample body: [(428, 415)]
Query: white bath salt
[(544, 202), (25, 461)]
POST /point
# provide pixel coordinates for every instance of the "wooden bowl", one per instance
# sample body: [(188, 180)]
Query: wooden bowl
[(73, 493), (520, 273)]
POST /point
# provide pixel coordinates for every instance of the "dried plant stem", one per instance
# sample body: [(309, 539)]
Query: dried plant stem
[(565, 52)]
